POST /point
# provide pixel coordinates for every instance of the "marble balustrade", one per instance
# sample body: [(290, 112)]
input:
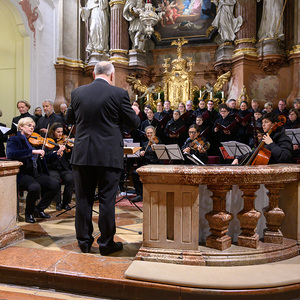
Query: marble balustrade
[(171, 205)]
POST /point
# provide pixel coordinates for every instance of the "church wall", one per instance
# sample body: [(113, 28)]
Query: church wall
[(14, 64)]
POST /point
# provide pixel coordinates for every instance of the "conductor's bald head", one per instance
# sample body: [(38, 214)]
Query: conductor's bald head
[(105, 70)]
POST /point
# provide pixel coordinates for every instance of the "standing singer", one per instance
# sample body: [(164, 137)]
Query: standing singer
[(98, 109)]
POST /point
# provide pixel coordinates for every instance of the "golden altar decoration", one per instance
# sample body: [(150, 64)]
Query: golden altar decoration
[(178, 83)]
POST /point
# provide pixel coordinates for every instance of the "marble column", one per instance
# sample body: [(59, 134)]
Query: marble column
[(219, 218), (248, 217), (119, 38), (274, 215), (246, 36)]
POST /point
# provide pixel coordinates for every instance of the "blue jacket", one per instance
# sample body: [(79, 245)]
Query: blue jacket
[(18, 148)]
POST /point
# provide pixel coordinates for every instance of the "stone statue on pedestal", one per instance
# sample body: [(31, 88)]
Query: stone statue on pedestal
[(271, 25), (97, 13), (136, 28), (225, 21)]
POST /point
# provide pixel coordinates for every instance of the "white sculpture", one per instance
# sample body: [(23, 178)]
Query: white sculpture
[(225, 21), (97, 11), (136, 29), (270, 20)]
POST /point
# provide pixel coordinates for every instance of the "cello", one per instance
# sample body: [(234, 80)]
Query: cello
[(261, 155)]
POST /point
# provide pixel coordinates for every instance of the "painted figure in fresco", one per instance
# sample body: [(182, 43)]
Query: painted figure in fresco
[(170, 12), (136, 28), (192, 7), (270, 20), (225, 21), (97, 13)]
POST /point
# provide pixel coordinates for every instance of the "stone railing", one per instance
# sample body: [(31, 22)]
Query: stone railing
[(171, 210)]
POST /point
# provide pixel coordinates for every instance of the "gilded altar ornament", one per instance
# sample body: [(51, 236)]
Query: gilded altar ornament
[(243, 96), (221, 80), (178, 83)]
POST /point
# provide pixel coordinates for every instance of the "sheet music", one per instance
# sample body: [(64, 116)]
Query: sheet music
[(160, 150), (294, 134), (136, 154), (4, 129), (174, 152), (236, 149)]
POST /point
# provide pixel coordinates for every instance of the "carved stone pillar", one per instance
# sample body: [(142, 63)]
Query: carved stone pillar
[(219, 218), (248, 217), (274, 216), (119, 39), (246, 36)]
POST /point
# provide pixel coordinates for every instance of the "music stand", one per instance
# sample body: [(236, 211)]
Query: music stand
[(128, 151), (236, 149), (294, 134), (194, 159), (168, 152)]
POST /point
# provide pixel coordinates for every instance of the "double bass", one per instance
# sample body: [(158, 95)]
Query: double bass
[(261, 155)]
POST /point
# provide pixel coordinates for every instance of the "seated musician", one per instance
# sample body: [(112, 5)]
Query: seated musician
[(60, 168), (277, 142), (33, 176), (195, 145), (148, 156), (174, 125)]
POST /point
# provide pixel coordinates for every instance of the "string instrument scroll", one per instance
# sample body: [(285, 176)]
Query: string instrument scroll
[(261, 155)]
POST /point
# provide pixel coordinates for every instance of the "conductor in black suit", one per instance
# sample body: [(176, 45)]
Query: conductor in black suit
[(98, 110)]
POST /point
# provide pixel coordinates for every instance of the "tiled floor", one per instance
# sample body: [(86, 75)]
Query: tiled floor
[(50, 246)]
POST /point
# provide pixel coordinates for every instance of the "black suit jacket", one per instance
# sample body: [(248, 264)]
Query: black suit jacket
[(99, 110)]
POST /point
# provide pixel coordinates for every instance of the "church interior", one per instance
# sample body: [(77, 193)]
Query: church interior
[(213, 231)]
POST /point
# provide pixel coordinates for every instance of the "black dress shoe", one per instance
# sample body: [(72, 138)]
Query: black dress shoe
[(111, 249), (66, 207), (85, 248), (29, 219), (41, 214), (138, 198), (58, 207)]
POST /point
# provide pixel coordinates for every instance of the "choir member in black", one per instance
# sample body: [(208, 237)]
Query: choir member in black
[(159, 111), (148, 156), (33, 176), (60, 169), (49, 118), (23, 107), (195, 145), (296, 104), (38, 113), (167, 108), (282, 110), (181, 108), (150, 121), (189, 107), (293, 121), (201, 109), (242, 128), (268, 107), (3, 138), (255, 128), (213, 114), (277, 142), (254, 105), (232, 106), (174, 125)]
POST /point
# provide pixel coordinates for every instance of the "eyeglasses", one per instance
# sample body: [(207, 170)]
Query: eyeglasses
[(192, 132), (222, 111)]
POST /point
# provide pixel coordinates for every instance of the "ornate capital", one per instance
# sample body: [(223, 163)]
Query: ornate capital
[(245, 40), (112, 3)]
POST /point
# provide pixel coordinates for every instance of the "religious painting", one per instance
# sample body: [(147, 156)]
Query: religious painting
[(190, 19)]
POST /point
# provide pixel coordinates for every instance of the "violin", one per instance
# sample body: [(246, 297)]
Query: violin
[(37, 140), (154, 140), (261, 155), (198, 142), (66, 141)]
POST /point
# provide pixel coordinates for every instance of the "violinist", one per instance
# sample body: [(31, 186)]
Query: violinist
[(195, 145), (33, 176), (60, 168), (277, 142), (149, 157)]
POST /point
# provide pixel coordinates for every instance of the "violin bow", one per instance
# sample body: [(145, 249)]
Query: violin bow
[(45, 138), (65, 143)]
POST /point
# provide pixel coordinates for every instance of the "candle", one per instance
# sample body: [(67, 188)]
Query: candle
[(210, 95), (222, 95), (200, 93), (148, 98), (136, 97), (158, 96)]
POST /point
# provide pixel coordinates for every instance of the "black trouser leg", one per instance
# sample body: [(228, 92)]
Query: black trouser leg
[(138, 186), (56, 175), (68, 181)]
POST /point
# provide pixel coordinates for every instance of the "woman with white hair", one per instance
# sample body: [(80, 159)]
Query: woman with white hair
[(33, 176)]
